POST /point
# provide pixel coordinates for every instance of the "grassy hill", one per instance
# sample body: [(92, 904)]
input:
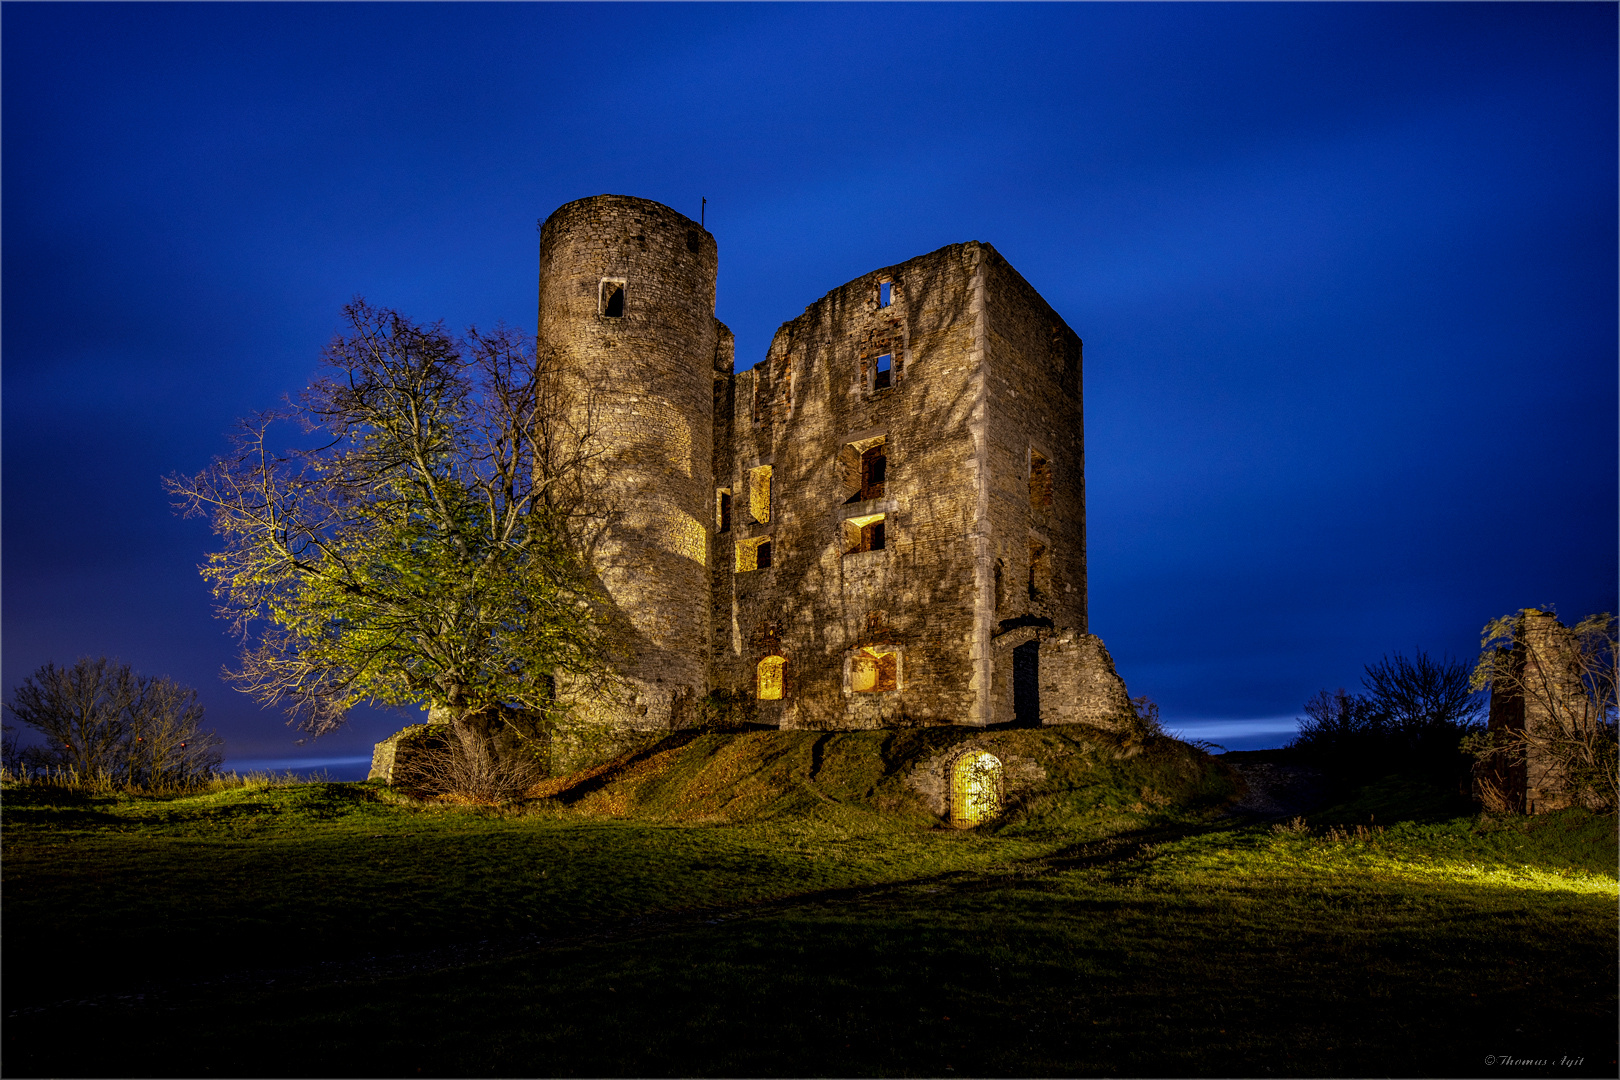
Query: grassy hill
[(793, 905), (1079, 781)]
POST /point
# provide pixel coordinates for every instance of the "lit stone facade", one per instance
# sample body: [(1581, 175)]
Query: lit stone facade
[(880, 524)]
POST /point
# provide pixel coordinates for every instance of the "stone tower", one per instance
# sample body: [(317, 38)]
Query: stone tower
[(627, 289), (906, 543)]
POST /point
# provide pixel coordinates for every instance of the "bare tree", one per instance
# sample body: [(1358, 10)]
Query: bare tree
[(1421, 695), (427, 550), (1552, 734), (101, 719)]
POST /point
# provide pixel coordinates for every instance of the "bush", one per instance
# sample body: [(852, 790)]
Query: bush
[(103, 722), (445, 764), (1412, 716)]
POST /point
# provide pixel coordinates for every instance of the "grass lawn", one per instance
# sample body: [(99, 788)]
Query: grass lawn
[(842, 942)]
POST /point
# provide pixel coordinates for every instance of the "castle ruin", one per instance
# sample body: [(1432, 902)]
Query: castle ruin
[(880, 524)]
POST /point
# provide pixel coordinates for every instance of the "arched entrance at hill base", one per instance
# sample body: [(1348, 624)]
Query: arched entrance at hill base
[(975, 788)]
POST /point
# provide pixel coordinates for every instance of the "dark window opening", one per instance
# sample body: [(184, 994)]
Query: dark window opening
[(762, 556), (613, 301), (881, 381), (885, 294), (725, 511), (862, 468), (872, 537), (874, 470), (692, 243)]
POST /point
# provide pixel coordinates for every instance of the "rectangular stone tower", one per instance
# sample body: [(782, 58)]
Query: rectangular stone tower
[(899, 532)]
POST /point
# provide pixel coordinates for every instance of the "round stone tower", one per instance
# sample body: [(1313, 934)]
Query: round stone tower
[(627, 309)]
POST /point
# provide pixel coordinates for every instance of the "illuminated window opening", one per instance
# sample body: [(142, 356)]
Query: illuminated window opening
[(753, 554), (885, 293), (759, 493), (611, 298), (1040, 481), (865, 533), (769, 681), (722, 510), (874, 671), (975, 789), (881, 378)]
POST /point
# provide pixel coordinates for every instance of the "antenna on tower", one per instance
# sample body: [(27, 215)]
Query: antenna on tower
[(703, 213)]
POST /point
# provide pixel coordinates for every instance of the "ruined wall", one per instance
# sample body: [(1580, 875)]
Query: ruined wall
[(627, 292), (1079, 684), (815, 411), (1539, 692), (1035, 510)]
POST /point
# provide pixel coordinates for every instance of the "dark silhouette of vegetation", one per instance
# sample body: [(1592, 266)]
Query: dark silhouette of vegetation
[(104, 723), (1411, 716)]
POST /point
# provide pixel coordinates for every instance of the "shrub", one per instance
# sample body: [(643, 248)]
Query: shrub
[(1411, 716), (445, 765)]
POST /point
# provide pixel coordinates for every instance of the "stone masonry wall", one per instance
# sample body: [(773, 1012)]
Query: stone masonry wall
[(806, 411), (642, 373), (1036, 484)]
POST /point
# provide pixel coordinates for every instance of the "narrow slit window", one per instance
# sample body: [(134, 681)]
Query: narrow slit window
[(769, 681), (864, 533), (759, 493), (1040, 574), (881, 379), (1040, 481), (885, 293), (722, 511), (874, 671), (612, 298)]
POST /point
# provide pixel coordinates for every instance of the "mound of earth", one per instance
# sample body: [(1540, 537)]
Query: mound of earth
[(1048, 777)]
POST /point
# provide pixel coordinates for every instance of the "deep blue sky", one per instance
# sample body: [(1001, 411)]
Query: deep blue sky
[(1346, 276)]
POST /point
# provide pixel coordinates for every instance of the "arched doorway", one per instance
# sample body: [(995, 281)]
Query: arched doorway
[(769, 678), (975, 788)]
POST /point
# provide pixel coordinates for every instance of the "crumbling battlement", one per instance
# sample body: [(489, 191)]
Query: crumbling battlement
[(880, 524)]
